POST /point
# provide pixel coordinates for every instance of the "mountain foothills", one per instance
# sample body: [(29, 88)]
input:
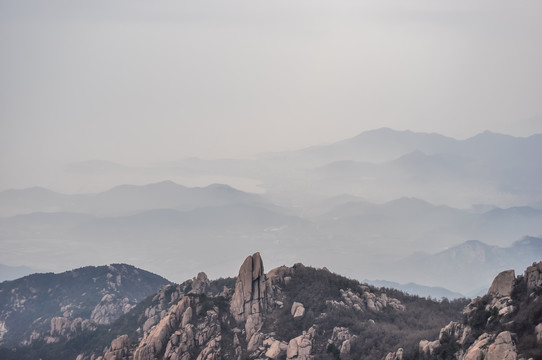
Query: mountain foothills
[(296, 312)]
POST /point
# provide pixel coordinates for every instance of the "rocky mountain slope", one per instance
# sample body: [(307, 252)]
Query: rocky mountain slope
[(51, 308), (506, 323), (294, 312)]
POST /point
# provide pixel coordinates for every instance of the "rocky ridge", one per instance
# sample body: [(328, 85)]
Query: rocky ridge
[(199, 319), (506, 323)]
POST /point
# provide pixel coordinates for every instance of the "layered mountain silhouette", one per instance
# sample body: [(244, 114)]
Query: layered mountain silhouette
[(124, 199)]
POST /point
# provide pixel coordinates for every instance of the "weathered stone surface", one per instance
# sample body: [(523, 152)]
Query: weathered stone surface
[(59, 326), (119, 349), (454, 332), (301, 346), (253, 324), (199, 284), (366, 301), (397, 355), (538, 333), (187, 317), (503, 284), (211, 351), (503, 348), (533, 276), (250, 296), (157, 338), (255, 342), (109, 309), (276, 349), (342, 339), (298, 310), (478, 350), (428, 347)]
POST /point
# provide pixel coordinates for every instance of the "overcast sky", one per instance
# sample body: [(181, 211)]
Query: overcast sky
[(144, 81)]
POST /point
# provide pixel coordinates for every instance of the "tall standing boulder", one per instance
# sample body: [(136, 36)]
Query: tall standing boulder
[(251, 289)]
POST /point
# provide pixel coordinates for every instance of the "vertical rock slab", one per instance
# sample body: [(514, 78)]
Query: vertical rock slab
[(250, 296)]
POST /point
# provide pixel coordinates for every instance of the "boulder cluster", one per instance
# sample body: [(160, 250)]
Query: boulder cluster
[(489, 330), (365, 300)]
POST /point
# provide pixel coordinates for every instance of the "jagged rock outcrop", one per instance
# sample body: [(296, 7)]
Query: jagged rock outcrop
[(533, 276), (492, 347), (276, 348), (250, 296), (490, 328), (199, 284), (366, 300), (109, 309), (119, 349), (300, 347), (397, 355), (503, 284), (503, 348), (342, 339), (63, 328)]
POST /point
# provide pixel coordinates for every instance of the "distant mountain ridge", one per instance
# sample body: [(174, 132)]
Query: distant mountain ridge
[(123, 199), (433, 292), (473, 260)]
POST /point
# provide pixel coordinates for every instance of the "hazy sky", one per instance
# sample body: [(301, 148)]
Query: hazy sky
[(144, 81)]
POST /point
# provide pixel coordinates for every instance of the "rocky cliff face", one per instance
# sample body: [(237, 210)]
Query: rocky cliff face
[(53, 307), (504, 324)]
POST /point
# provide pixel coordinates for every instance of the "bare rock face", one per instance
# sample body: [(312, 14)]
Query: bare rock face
[(119, 349), (398, 355), (478, 350), (62, 327), (491, 347), (366, 300), (109, 309), (342, 339), (538, 333), (427, 348), (250, 296), (503, 284), (503, 348), (298, 310), (454, 332), (300, 347), (199, 284), (533, 275), (276, 349), (156, 340)]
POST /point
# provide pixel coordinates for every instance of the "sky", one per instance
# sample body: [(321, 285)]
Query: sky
[(139, 82)]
